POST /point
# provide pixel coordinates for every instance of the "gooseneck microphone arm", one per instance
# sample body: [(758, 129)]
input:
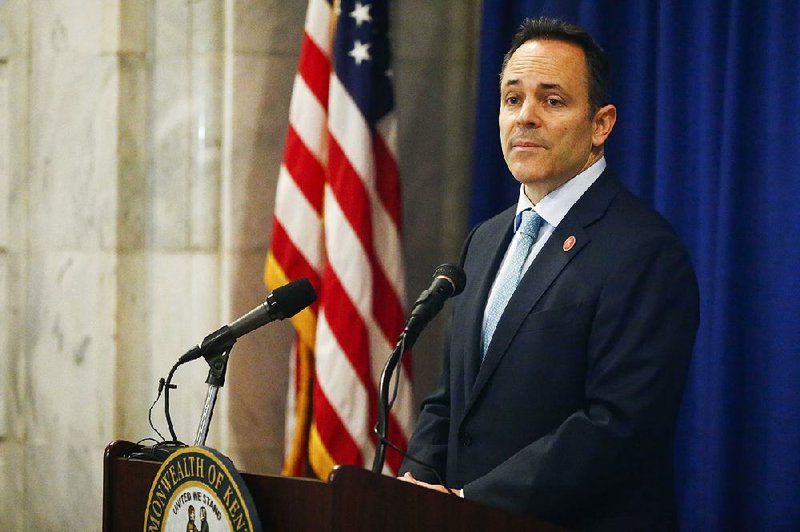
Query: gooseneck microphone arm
[(448, 281), (382, 426), (215, 348), (218, 365)]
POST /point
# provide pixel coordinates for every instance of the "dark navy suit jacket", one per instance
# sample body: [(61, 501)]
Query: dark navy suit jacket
[(571, 415)]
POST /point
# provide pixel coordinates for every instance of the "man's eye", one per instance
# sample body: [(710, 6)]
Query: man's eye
[(554, 102), (512, 100)]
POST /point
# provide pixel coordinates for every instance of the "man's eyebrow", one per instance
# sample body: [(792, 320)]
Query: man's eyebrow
[(544, 86), (550, 86)]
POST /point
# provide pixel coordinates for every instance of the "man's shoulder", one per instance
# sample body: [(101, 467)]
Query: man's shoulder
[(630, 230), (638, 216), (500, 221), (623, 209)]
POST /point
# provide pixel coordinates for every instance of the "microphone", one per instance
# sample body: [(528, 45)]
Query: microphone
[(448, 281), (284, 302)]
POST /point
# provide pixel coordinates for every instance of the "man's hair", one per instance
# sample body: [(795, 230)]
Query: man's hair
[(551, 29)]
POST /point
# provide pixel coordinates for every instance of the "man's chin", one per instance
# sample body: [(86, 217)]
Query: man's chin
[(525, 176), (530, 166)]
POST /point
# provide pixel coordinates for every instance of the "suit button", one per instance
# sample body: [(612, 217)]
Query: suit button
[(466, 441)]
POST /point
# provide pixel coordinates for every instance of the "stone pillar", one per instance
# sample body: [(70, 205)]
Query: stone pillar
[(436, 45), (263, 39), (13, 211), (175, 290), (71, 186)]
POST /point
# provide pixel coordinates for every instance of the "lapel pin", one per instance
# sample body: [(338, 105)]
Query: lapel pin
[(568, 243)]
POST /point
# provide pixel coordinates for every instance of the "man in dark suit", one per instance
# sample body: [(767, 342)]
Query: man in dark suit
[(568, 350)]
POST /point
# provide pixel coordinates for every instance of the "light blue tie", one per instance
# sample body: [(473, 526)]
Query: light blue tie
[(528, 230)]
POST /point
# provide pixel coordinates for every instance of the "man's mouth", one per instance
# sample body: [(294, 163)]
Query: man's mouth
[(526, 145)]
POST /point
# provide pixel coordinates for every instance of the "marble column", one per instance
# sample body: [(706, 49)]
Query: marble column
[(436, 47), (70, 327), (263, 43), (13, 150)]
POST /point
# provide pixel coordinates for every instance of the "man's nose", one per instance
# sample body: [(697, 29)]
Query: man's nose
[(528, 115)]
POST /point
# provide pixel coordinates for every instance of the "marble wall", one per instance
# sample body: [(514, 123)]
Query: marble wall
[(14, 87), (139, 148)]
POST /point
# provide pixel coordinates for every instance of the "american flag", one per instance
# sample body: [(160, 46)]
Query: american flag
[(337, 222)]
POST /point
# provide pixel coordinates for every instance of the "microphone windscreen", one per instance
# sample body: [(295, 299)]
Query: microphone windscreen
[(455, 274), (293, 297)]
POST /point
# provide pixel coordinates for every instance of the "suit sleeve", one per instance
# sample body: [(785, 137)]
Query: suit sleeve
[(638, 352), (427, 449)]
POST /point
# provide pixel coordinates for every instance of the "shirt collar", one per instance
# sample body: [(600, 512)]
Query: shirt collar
[(553, 207)]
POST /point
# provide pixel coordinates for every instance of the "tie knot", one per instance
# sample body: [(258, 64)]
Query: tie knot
[(530, 223)]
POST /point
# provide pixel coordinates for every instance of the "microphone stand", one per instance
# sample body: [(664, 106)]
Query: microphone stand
[(217, 359), (382, 426)]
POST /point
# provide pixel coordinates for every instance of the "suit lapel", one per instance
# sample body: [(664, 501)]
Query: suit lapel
[(493, 251), (544, 270)]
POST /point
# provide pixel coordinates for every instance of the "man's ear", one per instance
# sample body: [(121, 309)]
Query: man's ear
[(602, 124)]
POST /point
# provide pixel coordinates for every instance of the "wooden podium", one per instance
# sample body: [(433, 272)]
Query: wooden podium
[(352, 500)]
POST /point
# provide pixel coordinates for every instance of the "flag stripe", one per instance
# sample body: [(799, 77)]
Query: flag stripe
[(388, 188), (300, 161), (285, 253), (351, 335), (299, 220), (306, 112), (351, 131), (318, 24), (315, 68), (339, 386)]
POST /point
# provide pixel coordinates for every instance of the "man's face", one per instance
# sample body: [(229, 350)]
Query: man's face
[(546, 132)]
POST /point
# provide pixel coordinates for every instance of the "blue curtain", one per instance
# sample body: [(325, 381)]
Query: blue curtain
[(708, 95)]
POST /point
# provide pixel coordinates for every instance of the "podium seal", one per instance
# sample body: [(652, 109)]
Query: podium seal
[(197, 489)]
